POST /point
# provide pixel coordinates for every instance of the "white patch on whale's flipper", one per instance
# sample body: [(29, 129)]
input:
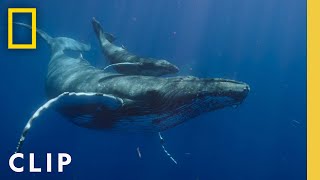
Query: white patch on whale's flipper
[(124, 64), (71, 98), (81, 98)]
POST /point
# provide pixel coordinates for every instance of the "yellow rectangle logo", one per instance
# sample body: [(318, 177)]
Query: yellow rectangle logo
[(33, 44), (313, 47)]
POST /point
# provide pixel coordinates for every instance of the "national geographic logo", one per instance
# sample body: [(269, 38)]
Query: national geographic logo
[(33, 12)]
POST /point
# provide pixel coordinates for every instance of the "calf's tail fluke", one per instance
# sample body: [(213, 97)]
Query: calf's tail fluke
[(103, 37), (59, 43)]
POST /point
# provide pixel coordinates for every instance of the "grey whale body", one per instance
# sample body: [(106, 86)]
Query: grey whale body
[(93, 98)]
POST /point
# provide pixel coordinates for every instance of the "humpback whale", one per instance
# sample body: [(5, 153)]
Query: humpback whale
[(93, 98), (125, 62)]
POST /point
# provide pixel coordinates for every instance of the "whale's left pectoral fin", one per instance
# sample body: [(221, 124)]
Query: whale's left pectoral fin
[(74, 101)]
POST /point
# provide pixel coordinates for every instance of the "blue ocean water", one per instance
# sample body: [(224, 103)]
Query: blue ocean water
[(262, 43)]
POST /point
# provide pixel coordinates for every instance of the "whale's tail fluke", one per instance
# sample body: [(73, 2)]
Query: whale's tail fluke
[(104, 38), (59, 43), (43, 34)]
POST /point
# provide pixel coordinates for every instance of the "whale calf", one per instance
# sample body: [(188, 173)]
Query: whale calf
[(93, 98), (127, 63)]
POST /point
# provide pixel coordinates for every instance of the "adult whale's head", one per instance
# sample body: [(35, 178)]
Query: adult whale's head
[(207, 93), (157, 104)]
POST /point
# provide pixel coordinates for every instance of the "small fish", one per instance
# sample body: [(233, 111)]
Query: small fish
[(296, 123), (139, 153)]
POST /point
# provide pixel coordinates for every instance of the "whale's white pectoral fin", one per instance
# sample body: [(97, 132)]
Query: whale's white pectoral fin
[(41, 110), (124, 65), (72, 99)]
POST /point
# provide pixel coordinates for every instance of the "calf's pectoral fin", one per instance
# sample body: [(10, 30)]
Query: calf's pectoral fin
[(74, 100), (124, 65)]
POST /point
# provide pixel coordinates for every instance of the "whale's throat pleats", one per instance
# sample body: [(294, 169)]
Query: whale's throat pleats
[(169, 115)]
